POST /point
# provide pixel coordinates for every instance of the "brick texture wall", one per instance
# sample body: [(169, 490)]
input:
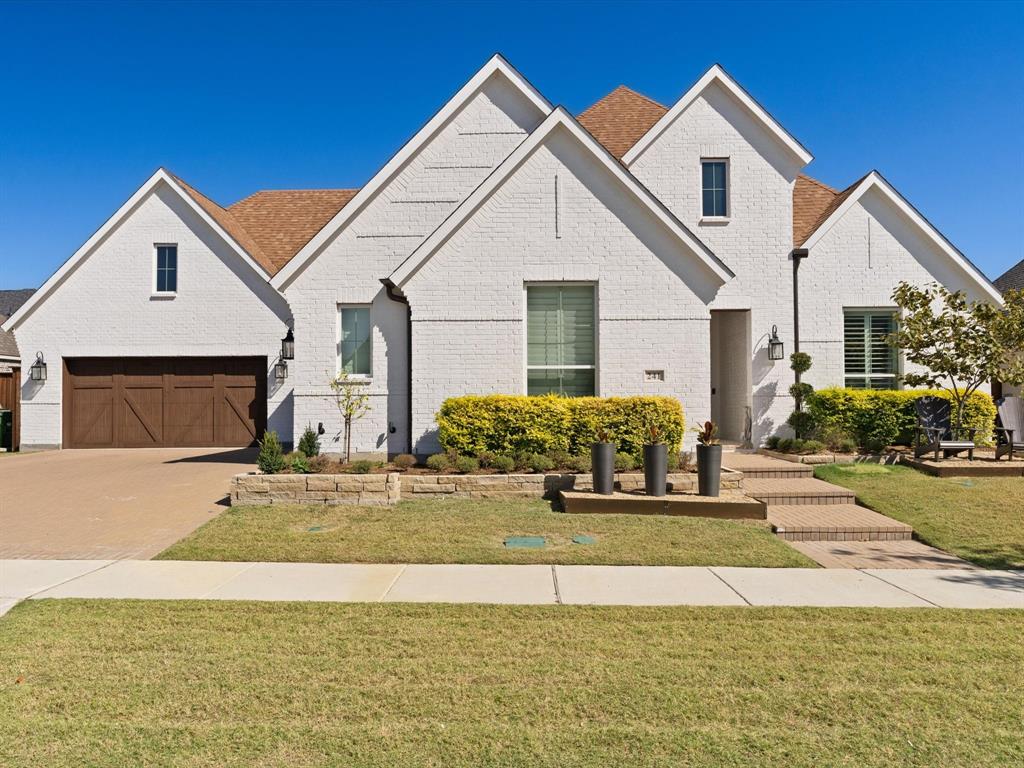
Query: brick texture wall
[(104, 309)]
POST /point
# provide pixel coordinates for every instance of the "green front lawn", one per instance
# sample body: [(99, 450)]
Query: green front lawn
[(116, 683), (980, 519), (474, 531)]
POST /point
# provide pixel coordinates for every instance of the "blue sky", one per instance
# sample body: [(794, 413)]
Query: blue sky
[(240, 97)]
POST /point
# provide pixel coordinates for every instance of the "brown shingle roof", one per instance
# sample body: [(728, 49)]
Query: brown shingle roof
[(621, 118), (813, 203), (273, 225), (1012, 279), (284, 220), (8, 346)]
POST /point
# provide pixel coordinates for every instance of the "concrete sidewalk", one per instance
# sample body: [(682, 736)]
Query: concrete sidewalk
[(508, 584)]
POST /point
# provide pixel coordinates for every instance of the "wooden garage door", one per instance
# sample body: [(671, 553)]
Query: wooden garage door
[(149, 402)]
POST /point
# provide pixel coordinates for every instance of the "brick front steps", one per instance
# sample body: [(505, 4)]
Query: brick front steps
[(798, 490), (835, 522)]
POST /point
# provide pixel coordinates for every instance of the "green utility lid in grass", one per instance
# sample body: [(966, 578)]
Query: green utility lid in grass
[(524, 542), (584, 540)]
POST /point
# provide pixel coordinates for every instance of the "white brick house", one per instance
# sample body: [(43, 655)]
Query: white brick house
[(506, 247)]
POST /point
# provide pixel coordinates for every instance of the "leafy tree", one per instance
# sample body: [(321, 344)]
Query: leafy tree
[(960, 345), (353, 404)]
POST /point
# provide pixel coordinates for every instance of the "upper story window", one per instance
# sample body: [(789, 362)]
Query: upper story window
[(870, 362), (714, 188), (355, 345), (561, 340), (166, 268)]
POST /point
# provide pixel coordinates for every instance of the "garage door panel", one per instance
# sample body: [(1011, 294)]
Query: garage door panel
[(149, 402), (93, 422)]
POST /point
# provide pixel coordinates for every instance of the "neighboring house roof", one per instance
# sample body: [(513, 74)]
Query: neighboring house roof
[(619, 119), (1012, 279), (8, 346), (718, 76), (875, 181), (559, 117), (10, 301)]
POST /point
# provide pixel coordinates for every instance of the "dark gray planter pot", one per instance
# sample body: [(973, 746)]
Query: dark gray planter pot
[(602, 457), (709, 469), (655, 469)]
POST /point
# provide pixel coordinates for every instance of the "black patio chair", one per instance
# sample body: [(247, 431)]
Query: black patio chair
[(934, 426), (1009, 426)]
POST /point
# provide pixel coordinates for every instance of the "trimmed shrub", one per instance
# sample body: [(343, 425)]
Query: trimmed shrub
[(877, 418), (362, 467), (439, 462), (466, 464), (813, 446), (772, 443), (624, 462), (538, 462), (559, 458), (510, 424), (503, 464), (309, 443), (486, 459), (271, 456), (786, 444), (404, 461), (582, 463)]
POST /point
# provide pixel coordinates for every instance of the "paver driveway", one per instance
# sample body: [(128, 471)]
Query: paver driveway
[(110, 504)]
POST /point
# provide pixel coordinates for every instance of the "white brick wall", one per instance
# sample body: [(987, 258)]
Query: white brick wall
[(104, 309), (349, 268), (756, 241), (468, 301), (857, 264)]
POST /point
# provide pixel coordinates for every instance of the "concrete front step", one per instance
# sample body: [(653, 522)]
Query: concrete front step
[(797, 490), (835, 522), (754, 465)]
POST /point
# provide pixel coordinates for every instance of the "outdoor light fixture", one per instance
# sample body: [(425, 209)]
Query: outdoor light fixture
[(288, 346), (775, 346), (38, 369), (281, 370)]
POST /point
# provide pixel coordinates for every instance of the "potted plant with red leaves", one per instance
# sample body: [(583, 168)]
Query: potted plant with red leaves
[(709, 459)]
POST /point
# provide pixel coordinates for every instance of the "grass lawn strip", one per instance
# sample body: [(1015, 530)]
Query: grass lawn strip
[(474, 531), (113, 683), (980, 519)]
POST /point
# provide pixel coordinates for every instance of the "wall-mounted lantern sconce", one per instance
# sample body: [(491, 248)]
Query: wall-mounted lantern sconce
[(281, 370), (320, 428), (776, 350), (288, 346), (38, 369)]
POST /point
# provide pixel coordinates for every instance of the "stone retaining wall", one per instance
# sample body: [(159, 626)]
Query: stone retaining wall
[(253, 488)]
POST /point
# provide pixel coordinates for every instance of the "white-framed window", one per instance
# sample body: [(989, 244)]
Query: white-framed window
[(714, 188), (561, 339), (165, 273), (869, 361), (355, 342)]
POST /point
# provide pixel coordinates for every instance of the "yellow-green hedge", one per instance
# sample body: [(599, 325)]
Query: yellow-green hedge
[(508, 424), (876, 418)]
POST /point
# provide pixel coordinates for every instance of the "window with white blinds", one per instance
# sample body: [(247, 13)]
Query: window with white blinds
[(560, 340), (871, 363)]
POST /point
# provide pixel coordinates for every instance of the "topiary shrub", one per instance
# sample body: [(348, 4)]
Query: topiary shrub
[(624, 462), (309, 443), (439, 462), (404, 462), (466, 464), (514, 424), (503, 464), (271, 456), (878, 418)]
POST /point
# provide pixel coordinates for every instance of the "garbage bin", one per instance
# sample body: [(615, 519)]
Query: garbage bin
[(6, 430)]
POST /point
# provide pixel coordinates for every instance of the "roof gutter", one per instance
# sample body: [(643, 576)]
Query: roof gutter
[(391, 290), (798, 254)]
